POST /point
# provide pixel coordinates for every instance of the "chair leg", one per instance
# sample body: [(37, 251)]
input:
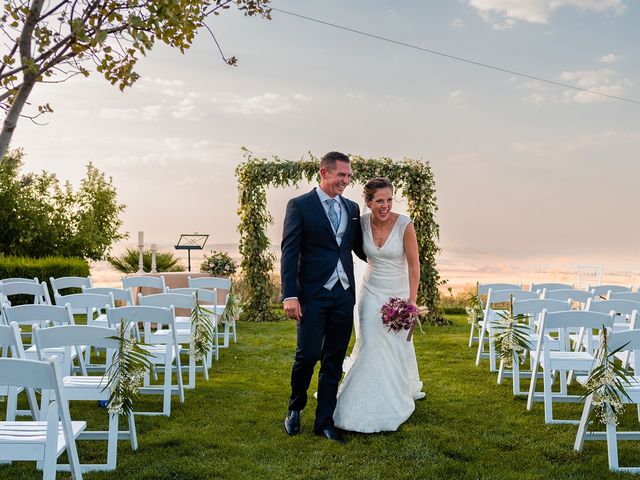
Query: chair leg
[(112, 441), (12, 404), (235, 338), (500, 372), (548, 396), (480, 345), (205, 369), (492, 355), (192, 371), (515, 375), (166, 407), (473, 329), (133, 434), (612, 446), (51, 446), (563, 381), (532, 386), (582, 426)]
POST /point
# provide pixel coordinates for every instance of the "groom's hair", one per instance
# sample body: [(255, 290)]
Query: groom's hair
[(329, 160)]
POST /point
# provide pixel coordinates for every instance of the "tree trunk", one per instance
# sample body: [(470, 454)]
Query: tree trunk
[(11, 120), (30, 77)]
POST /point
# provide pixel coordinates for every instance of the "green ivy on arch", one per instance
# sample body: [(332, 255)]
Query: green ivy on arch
[(412, 177)]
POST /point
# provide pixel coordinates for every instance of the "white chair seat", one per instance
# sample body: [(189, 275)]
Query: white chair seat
[(570, 360), (158, 352), (15, 435), (79, 387)]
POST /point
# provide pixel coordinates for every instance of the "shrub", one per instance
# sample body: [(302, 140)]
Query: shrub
[(128, 262), (218, 263), (42, 268), (41, 217)]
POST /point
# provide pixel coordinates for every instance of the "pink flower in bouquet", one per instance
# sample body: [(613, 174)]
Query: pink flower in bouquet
[(398, 314)]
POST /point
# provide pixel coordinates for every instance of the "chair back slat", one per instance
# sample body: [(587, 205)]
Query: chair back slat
[(210, 283), (144, 281), (40, 314), (119, 294), (62, 283), (167, 300), (603, 290), (19, 372)]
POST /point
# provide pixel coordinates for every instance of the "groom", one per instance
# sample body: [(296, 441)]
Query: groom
[(321, 228)]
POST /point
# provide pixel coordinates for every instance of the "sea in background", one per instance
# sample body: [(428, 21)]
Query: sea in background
[(459, 269)]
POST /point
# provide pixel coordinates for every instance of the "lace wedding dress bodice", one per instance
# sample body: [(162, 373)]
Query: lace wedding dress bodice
[(377, 394)]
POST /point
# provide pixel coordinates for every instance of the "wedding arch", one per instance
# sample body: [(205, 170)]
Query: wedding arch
[(411, 177)]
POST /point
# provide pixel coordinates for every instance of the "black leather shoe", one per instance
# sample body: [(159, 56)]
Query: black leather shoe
[(331, 434), (292, 422)]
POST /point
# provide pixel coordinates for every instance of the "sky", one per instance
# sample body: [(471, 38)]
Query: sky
[(529, 175)]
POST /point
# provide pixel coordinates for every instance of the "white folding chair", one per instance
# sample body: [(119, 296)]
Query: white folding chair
[(629, 341), (531, 309), (11, 343), (182, 323), (63, 283), (40, 440), (633, 296), (603, 291), (144, 281), (38, 291), (44, 316), (565, 359), (579, 297), (222, 285), (539, 287), (19, 279), (625, 318), (84, 387), (625, 312), (482, 289), (491, 314), (92, 305), (122, 296), (163, 355), (208, 299)]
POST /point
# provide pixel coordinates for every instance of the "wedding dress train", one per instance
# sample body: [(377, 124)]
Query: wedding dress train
[(379, 389)]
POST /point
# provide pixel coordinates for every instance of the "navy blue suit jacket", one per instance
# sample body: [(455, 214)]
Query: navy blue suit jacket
[(310, 252)]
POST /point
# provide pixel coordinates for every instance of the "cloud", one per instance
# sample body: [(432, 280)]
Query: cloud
[(186, 109), (147, 113), (610, 58), (603, 80), (265, 104), (162, 82), (503, 14), (457, 23)]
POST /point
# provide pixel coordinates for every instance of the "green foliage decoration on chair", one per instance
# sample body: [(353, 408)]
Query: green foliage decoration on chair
[(412, 177)]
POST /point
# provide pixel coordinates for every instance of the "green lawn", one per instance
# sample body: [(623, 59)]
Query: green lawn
[(231, 427)]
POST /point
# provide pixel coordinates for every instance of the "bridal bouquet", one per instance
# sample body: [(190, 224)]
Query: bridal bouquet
[(398, 314)]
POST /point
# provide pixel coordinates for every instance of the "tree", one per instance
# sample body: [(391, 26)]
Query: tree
[(53, 41), (40, 217)]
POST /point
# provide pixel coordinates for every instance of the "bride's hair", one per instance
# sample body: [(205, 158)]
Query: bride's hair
[(374, 185)]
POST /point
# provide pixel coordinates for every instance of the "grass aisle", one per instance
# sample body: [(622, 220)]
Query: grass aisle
[(231, 427)]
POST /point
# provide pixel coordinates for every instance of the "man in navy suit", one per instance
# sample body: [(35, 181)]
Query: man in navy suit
[(321, 229)]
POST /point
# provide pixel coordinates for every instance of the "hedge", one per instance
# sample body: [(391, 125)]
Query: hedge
[(42, 268)]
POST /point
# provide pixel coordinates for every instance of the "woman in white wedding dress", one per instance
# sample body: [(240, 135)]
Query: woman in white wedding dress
[(379, 390)]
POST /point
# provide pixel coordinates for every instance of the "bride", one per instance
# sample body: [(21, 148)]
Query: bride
[(377, 394)]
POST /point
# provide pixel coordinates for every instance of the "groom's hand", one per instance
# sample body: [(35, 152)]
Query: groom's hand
[(292, 309)]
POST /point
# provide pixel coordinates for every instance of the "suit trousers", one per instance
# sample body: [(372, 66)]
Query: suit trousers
[(323, 335)]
